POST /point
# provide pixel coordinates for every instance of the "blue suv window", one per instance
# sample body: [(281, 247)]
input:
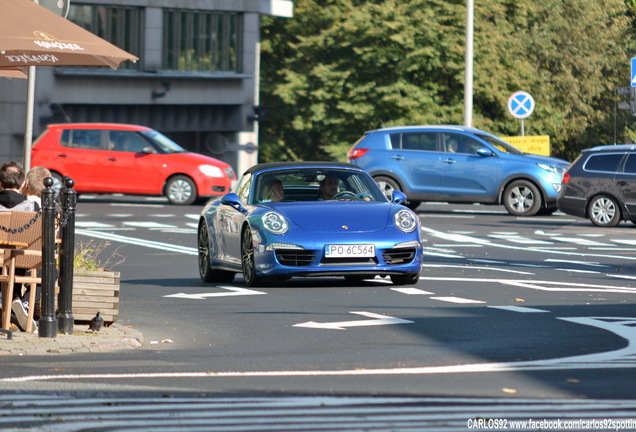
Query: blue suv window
[(606, 163), (454, 143), (414, 141)]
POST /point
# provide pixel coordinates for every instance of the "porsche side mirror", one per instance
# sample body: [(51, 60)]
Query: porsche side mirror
[(233, 201), (398, 197)]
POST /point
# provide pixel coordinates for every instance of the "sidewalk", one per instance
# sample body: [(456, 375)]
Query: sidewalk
[(112, 338)]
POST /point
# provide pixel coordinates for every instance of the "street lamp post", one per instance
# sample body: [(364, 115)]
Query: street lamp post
[(468, 74)]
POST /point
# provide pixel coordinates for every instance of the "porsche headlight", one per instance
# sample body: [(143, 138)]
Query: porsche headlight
[(211, 170), (274, 223), (405, 221)]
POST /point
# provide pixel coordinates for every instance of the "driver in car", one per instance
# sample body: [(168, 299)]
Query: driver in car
[(328, 188)]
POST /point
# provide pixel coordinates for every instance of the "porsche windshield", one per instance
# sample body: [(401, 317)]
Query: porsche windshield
[(315, 184)]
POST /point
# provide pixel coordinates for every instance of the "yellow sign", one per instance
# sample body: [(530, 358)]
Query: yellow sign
[(539, 144)]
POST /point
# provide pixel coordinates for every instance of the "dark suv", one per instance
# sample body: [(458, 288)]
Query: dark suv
[(601, 185)]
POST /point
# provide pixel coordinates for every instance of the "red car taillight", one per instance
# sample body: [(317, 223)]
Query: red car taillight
[(356, 153), (566, 178)]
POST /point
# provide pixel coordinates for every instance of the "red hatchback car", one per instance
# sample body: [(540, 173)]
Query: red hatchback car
[(129, 159)]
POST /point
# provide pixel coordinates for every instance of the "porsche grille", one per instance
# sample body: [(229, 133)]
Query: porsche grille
[(295, 258)]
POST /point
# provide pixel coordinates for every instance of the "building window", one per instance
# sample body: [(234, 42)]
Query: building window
[(200, 41), (121, 26)]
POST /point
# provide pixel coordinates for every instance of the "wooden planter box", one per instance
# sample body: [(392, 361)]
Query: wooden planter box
[(95, 291)]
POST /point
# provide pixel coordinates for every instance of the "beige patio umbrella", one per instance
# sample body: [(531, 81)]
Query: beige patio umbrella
[(31, 35), (12, 73)]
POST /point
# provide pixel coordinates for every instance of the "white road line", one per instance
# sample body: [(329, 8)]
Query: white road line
[(149, 224), (577, 271), (138, 242), (476, 268), (587, 263), (459, 300), (412, 291), (483, 242), (520, 309), (579, 241), (627, 242), (540, 285), (621, 358), (519, 239), (89, 224)]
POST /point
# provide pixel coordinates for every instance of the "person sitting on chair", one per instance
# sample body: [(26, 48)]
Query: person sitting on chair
[(11, 184), (34, 184)]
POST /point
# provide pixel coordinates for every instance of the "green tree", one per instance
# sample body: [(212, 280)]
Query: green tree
[(340, 67)]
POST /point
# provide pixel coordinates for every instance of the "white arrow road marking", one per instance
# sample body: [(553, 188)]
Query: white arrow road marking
[(234, 291), (342, 325)]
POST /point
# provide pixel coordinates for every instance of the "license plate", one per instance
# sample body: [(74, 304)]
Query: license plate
[(349, 251)]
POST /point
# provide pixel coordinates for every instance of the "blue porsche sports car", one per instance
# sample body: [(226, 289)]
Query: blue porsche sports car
[(308, 219)]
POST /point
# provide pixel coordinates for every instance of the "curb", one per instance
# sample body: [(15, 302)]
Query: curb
[(113, 338)]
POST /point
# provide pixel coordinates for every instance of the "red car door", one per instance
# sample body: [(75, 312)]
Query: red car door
[(133, 169)]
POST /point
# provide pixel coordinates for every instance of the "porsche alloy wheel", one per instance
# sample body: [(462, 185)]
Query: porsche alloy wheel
[(207, 273), (247, 260), (181, 190)]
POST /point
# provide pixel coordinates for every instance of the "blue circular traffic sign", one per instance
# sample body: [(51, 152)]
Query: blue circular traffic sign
[(521, 104)]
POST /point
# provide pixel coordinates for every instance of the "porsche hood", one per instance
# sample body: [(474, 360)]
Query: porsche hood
[(336, 216)]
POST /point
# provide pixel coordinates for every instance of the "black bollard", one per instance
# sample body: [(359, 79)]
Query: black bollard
[(47, 324), (67, 253)]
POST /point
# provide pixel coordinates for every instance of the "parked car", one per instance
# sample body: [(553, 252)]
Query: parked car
[(460, 165), (601, 185), (268, 233), (129, 159)]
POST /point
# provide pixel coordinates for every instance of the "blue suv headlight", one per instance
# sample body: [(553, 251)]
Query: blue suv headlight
[(552, 168)]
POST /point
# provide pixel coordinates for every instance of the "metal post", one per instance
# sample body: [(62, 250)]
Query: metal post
[(48, 323), (468, 67), (67, 254)]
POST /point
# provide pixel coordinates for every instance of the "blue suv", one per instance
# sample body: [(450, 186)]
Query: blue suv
[(460, 165)]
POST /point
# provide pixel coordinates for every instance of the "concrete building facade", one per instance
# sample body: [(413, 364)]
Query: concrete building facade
[(196, 80)]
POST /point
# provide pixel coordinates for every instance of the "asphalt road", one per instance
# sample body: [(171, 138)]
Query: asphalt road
[(535, 308)]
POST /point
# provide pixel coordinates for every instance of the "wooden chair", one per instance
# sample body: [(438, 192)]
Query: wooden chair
[(21, 250)]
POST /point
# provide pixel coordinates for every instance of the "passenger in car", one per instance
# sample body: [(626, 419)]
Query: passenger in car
[(451, 145), (273, 191)]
